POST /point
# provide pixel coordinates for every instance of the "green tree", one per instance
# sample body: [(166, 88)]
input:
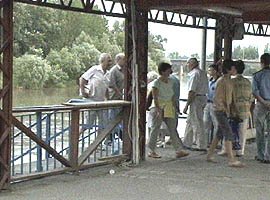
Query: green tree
[(30, 71), (85, 51), (210, 56), (156, 49), (247, 53), (250, 53), (174, 55), (267, 48), (66, 61), (195, 55), (48, 29), (118, 33)]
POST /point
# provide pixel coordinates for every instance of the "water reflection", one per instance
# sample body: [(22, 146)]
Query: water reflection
[(56, 96), (47, 96)]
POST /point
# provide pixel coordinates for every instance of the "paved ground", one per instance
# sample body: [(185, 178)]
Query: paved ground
[(171, 179)]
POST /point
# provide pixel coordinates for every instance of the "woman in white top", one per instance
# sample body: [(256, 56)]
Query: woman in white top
[(163, 109)]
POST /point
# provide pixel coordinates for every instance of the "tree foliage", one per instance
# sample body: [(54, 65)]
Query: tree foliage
[(246, 53), (31, 71), (61, 45)]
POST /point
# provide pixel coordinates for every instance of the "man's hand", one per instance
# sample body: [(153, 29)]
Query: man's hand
[(178, 111), (267, 105), (84, 94), (159, 113), (185, 109)]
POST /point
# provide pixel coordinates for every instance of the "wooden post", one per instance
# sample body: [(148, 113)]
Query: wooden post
[(137, 51), (227, 46), (74, 139), (218, 41), (228, 35), (6, 92), (142, 63), (127, 146), (223, 36)]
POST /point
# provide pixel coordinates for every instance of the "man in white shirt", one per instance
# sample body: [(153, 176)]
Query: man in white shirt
[(198, 88), (94, 88)]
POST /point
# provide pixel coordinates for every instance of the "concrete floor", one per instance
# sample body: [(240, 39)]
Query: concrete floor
[(168, 178)]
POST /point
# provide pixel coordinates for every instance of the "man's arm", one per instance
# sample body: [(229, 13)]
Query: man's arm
[(191, 97), (229, 97), (256, 93), (155, 97), (155, 93), (107, 95), (261, 100), (116, 90), (83, 82)]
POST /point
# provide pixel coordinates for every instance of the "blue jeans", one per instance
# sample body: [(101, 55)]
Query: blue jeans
[(235, 129), (118, 130), (262, 119)]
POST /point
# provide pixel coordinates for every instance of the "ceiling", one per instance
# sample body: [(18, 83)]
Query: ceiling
[(252, 11)]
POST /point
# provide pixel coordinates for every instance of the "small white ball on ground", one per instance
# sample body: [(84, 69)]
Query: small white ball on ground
[(112, 171)]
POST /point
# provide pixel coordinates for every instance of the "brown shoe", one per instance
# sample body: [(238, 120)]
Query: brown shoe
[(153, 155), (181, 154), (236, 164)]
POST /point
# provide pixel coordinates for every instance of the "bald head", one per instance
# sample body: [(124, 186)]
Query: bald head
[(120, 59), (192, 63)]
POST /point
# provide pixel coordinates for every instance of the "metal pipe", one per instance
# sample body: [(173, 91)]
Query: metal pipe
[(204, 40)]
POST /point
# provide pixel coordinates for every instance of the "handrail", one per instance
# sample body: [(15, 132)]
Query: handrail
[(73, 106)]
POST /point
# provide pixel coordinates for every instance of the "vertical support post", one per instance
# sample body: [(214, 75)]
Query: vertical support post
[(140, 48), (48, 133), (142, 63), (127, 146), (204, 42), (224, 31), (39, 149), (74, 139), (218, 41), (6, 56), (227, 46)]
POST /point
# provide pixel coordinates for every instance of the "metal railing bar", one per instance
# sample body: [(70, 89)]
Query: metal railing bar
[(31, 126)]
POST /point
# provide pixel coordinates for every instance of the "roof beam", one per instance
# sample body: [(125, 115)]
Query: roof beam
[(176, 3), (254, 17)]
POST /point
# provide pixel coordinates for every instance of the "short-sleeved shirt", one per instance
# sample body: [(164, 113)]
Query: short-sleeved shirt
[(242, 97), (212, 87), (165, 94), (223, 94), (176, 88), (261, 83), (115, 78), (96, 83), (198, 81)]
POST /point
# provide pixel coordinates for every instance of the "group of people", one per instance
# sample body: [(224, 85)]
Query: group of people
[(218, 109), (103, 82)]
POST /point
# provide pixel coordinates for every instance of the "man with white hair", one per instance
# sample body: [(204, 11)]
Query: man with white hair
[(198, 88), (94, 88), (115, 80)]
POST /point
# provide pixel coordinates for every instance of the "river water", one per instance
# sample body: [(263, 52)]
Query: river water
[(47, 96), (56, 96)]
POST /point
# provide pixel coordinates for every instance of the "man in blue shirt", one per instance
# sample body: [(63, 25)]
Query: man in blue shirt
[(261, 91), (209, 119)]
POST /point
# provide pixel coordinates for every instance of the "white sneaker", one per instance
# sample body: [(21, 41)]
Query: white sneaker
[(222, 153)]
